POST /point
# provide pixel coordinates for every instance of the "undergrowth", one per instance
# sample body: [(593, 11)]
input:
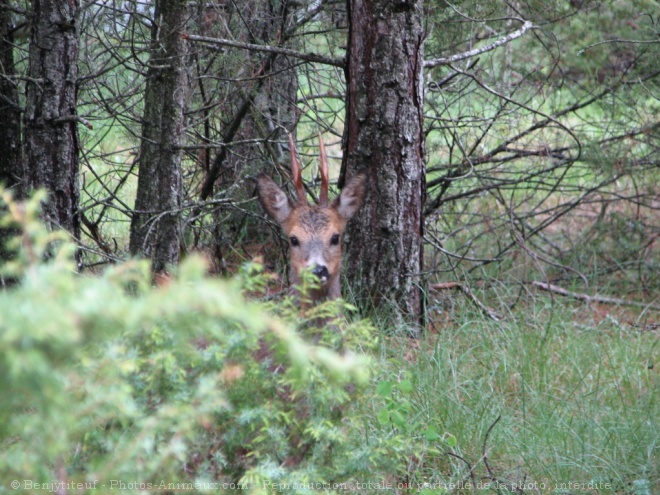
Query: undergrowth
[(110, 383), (535, 403), (198, 385)]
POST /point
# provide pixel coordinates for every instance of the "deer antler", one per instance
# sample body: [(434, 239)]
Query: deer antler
[(296, 172), (323, 197)]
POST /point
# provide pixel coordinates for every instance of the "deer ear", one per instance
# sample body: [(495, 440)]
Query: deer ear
[(350, 200), (274, 200)]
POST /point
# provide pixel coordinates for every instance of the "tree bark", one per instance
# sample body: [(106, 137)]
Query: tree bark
[(156, 223), (50, 135), (11, 168), (384, 137)]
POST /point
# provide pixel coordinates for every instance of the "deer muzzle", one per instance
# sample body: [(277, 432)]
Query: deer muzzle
[(321, 273)]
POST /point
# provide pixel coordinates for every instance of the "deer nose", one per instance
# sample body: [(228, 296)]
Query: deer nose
[(321, 272)]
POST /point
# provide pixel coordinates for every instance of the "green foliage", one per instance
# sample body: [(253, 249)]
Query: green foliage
[(575, 401), (112, 382), (109, 380), (398, 411)]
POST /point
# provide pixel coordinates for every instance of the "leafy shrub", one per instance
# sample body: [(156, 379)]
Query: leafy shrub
[(112, 382)]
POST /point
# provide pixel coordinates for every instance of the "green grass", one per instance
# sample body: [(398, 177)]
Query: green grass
[(577, 403)]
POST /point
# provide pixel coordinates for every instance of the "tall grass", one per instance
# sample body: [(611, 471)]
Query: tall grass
[(578, 403)]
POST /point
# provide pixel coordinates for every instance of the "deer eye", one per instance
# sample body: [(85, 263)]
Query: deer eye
[(334, 240), (294, 241)]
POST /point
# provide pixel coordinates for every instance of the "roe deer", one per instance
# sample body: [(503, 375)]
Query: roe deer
[(314, 231)]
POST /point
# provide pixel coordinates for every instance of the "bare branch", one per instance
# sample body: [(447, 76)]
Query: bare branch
[(466, 290), (635, 42), (483, 449), (310, 57), (538, 257), (589, 299), (478, 51), (74, 118)]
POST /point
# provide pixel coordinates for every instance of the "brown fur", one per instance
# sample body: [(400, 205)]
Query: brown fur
[(313, 228)]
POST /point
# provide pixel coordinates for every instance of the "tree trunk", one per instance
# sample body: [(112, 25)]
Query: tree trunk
[(261, 109), (277, 101), (384, 137), (11, 168), (156, 223), (50, 134)]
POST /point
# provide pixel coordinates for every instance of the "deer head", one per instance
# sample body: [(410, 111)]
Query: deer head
[(314, 231)]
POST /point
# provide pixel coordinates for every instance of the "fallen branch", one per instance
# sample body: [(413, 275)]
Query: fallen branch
[(587, 298), (466, 290)]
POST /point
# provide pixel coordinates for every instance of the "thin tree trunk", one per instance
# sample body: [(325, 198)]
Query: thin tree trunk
[(384, 137), (50, 134), (267, 107), (11, 168), (263, 108), (156, 223)]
